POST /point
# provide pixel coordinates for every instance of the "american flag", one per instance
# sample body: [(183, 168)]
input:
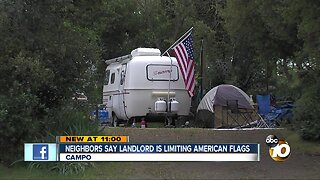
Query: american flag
[(184, 54)]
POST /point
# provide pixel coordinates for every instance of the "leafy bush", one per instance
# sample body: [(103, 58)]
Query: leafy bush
[(17, 125), (307, 113), (70, 119)]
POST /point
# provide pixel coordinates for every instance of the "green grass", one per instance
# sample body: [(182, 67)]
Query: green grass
[(21, 172), (103, 170), (298, 144), (109, 170)]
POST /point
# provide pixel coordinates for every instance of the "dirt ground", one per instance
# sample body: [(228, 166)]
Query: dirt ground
[(299, 165)]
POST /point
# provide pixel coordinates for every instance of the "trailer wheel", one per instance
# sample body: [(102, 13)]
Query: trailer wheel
[(114, 120)]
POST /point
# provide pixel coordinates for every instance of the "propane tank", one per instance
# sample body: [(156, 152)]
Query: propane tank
[(134, 123), (174, 105), (143, 123), (160, 105)]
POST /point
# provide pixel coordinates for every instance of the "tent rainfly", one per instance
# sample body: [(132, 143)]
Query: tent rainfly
[(215, 101)]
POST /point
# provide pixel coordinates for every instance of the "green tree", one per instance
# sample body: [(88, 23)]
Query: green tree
[(44, 60)]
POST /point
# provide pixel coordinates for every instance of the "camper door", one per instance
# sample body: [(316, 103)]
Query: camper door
[(122, 92)]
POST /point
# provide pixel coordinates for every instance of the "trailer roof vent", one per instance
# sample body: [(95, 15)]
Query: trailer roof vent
[(145, 52)]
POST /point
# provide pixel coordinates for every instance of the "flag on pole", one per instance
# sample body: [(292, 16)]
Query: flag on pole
[(184, 54)]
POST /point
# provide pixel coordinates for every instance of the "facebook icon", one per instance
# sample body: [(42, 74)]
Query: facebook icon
[(40, 151)]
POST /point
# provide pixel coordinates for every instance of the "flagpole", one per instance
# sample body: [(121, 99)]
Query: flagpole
[(169, 80), (202, 69), (168, 100), (177, 41)]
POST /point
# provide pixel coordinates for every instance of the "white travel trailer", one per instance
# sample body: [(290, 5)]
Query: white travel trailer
[(137, 85)]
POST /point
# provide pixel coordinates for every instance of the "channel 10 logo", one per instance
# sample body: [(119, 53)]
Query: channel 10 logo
[(279, 149)]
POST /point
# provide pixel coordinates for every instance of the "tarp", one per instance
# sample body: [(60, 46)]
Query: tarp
[(219, 95)]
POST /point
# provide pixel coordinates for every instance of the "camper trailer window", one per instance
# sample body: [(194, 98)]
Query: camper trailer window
[(113, 76), (106, 81), (161, 72), (122, 78)]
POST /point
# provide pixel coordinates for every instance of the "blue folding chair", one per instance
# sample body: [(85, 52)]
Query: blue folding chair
[(263, 104), (269, 117)]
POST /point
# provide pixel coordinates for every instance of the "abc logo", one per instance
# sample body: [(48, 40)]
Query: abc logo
[(279, 149)]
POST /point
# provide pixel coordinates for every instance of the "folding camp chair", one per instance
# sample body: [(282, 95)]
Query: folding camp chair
[(235, 113), (263, 109), (263, 104), (262, 123)]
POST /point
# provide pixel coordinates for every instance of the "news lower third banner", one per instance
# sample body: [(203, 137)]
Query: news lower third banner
[(117, 148)]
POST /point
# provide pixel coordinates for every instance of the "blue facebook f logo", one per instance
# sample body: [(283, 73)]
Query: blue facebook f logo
[(40, 152)]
